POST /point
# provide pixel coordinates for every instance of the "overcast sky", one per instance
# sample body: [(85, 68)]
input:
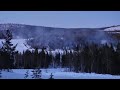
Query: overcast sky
[(65, 19)]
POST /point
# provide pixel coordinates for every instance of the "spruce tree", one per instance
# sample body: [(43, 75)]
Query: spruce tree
[(9, 51), (36, 58), (51, 76)]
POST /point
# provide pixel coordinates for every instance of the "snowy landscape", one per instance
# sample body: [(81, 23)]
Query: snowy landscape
[(57, 74), (59, 45)]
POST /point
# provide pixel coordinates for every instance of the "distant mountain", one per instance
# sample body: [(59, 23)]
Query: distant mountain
[(28, 31), (60, 37)]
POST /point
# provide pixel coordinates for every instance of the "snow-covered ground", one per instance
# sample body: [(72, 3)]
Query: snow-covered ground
[(116, 28), (58, 74), (21, 44)]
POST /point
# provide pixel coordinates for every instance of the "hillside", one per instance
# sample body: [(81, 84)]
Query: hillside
[(59, 37), (21, 44)]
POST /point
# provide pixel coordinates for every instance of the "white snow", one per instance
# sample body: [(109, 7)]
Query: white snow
[(58, 74), (22, 46), (115, 32), (117, 28)]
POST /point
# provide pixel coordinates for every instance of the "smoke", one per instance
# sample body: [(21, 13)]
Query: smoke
[(100, 37)]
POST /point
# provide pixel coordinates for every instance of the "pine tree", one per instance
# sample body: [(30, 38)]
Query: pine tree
[(57, 59), (51, 76), (43, 58), (9, 50), (36, 58), (27, 59)]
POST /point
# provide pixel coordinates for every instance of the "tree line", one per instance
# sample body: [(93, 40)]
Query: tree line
[(102, 59)]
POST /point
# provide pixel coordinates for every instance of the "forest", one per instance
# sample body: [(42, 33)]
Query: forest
[(97, 58)]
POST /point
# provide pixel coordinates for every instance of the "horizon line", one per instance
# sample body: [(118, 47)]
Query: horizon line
[(59, 27)]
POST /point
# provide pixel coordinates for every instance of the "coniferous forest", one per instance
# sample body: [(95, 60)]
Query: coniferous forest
[(97, 58)]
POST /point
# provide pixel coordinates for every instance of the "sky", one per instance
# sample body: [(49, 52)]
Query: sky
[(63, 19)]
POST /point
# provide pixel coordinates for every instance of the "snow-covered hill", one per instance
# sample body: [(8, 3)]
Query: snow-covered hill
[(55, 38), (114, 28), (58, 74), (59, 38), (21, 44)]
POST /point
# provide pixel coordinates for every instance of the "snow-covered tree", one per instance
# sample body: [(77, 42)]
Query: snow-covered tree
[(36, 74)]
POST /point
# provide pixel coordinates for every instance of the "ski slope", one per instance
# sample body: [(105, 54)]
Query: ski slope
[(58, 74), (21, 44)]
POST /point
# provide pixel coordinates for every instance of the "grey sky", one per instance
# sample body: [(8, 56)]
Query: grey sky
[(73, 19)]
